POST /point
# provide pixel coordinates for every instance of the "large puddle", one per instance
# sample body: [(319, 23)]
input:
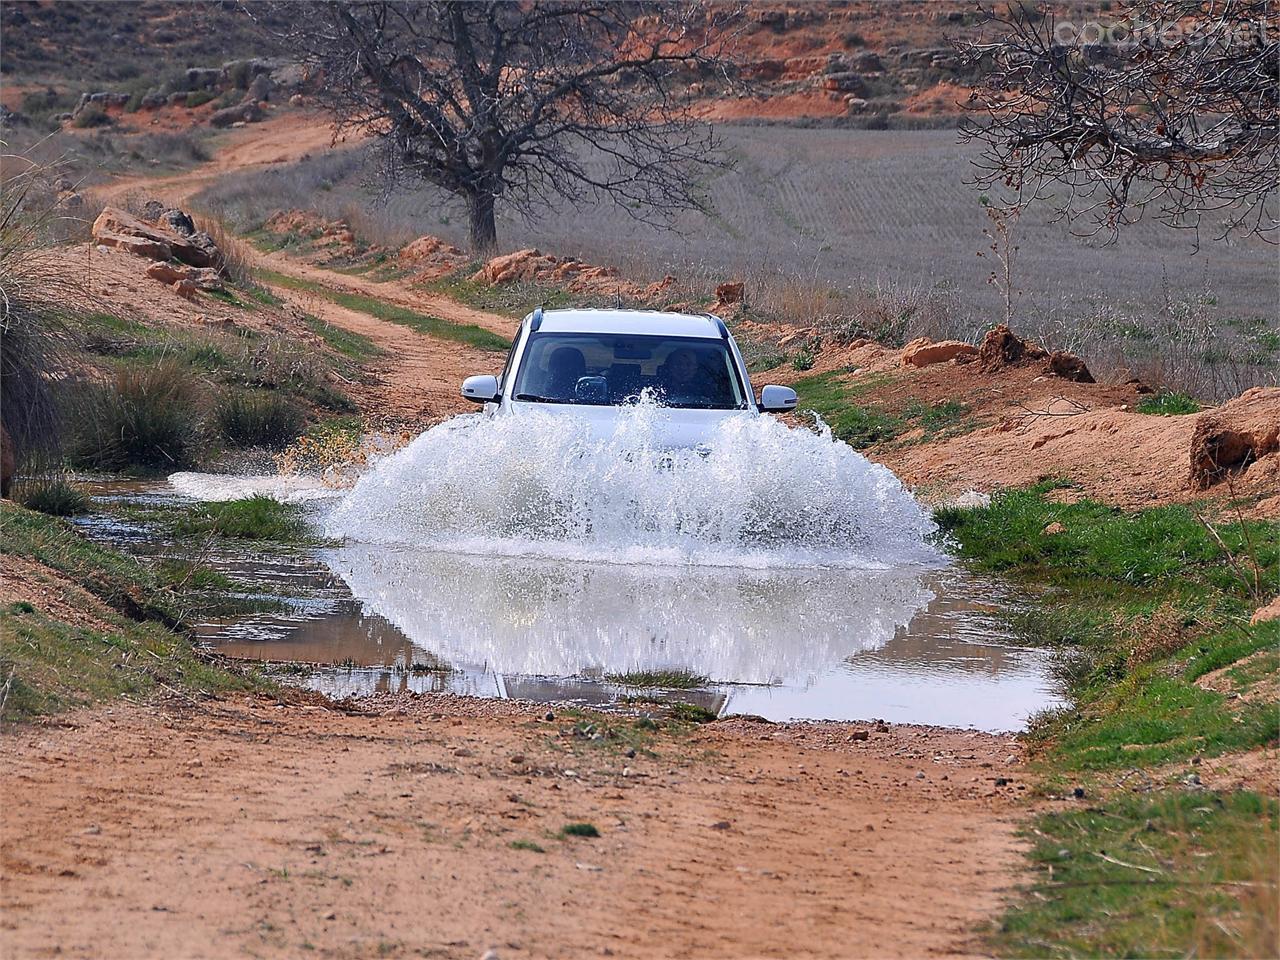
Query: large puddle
[(792, 577)]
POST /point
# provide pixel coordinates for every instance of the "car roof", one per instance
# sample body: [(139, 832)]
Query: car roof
[(657, 322)]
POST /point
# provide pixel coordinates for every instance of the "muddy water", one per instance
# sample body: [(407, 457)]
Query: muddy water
[(920, 644)]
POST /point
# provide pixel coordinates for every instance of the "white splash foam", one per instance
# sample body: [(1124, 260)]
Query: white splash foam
[(223, 486), (545, 484)]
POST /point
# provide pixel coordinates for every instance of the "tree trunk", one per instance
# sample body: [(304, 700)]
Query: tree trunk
[(484, 231)]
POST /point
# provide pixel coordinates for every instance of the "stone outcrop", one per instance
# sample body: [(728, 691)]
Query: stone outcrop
[(924, 352), (1229, 438), (247, 112), (116, 228), (202, 277)]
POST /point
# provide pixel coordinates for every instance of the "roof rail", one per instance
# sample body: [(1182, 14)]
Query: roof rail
[(724, 331), (537, 319)]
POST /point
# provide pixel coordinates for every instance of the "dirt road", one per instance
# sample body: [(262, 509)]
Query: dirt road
[(247, 828)]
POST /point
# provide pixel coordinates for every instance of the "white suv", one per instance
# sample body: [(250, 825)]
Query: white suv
[(591, 362)]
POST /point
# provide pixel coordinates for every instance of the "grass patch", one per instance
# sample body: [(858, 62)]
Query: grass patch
[(121, 582), (147, 417), (579, 830), (1168, 404), (1151, 877), (467, 333), (354, 346), (682, 712), (519, 297), (258, 419), (55, 496), (249, 518), (128, 648), (1138, 607), (660, 679), (527, 845)]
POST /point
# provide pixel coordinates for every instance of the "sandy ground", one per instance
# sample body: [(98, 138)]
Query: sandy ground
[(251, 828)]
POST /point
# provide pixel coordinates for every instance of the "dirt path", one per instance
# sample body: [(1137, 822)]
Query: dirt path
[(247, 828)]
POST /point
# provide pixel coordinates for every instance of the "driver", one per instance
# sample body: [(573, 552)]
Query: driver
[(681, 375), (564, 369)]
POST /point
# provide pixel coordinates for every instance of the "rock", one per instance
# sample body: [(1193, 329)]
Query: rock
[(1001, 347), (261, 88), (517, 759), (139, 246), (859, 735), (867, 61), (428, 248), (153, 101), (720, 825), (202, 78), (296, 100), (856, 104), (247, 112), (203, 277), (178, 222), (1053, 529), (731, 291), (1069, 367), (1078, 793), (924, 352), (185, 288), (115, 228), (1230, 437), (1266, 614), (846, 81), (152, 211), (521, 265)]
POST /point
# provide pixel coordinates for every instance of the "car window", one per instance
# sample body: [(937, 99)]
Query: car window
[(610, 369)]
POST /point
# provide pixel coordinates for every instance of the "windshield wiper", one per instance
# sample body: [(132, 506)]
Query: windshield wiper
[(534, 398)]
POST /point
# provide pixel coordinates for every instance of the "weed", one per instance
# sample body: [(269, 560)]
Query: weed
[(659, 679), (691, 713), (54, 495), (147, 417), (91, 116), (579, 830), (526, 845), (250, 518), (1167, 404), (268, 420), (356, 346)]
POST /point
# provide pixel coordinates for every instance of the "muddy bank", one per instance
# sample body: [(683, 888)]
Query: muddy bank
[(246, 826)]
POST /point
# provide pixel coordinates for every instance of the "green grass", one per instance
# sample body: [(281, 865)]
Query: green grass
[(258, 419), (126, 648), (527, 845), (354, 346), (250, 518), (833, 397), (663, 679), (515, 298), (579, 830), (54, 495), (120, 581), (1175, 861), (1168, 404), (467, 333), (1137, 607)]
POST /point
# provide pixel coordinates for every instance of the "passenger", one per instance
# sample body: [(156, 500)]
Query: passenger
[(564, 369)]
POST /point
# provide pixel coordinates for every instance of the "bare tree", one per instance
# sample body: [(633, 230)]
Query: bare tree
[(1171, 108), (524, 101)]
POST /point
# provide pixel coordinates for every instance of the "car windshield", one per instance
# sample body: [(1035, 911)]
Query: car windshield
[(602, 369)]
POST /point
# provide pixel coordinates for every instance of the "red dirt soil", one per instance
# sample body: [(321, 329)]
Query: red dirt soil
[(246, 827)]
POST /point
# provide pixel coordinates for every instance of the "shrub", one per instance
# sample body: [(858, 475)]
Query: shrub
[(52, 495), (198, 98), (258, 420), (1168, 403), (147, 417), (91, 116)]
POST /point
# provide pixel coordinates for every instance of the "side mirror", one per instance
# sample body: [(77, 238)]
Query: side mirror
[(775, 399), (482, 389)]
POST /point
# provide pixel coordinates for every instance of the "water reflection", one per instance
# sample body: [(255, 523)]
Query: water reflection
[(907, 645)]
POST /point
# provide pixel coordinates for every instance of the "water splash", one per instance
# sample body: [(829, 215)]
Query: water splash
[(546, 484)]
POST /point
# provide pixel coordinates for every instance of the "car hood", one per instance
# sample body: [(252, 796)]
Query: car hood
[(673, 428)]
